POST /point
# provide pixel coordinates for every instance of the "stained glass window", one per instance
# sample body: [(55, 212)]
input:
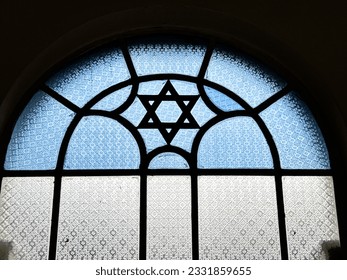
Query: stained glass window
[(167, 147)]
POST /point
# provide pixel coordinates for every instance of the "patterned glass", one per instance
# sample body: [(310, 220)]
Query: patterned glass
[(101, 143), (113, 100), (297, 136), (154, 57), (238, 218), (151, 88), (234, 143), (25, 216), (168, 217), (152, 138), (184, 139), (135, 112), (168, 161), (38, 134), (222, 101), (168, 111), (249, 79), (310, 216), (202, 113), (185, 88), (99, 218), (82, 80)]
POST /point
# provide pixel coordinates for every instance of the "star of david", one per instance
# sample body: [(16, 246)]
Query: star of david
[(168, 102)]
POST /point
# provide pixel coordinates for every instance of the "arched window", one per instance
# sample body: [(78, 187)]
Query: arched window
[(167, 148)]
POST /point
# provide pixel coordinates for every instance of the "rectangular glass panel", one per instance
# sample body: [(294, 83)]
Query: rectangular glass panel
[(238, 218), (310, 216), (99, 218), (169, 217), (25, 215)]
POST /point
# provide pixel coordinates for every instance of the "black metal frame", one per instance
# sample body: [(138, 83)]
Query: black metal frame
[(191, 158)]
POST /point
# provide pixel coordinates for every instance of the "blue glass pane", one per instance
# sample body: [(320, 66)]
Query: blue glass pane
[(154, 57), (234, 143), (85, 78), (184, 139), (168, 161), (151, 88), (101, 143), (185, 88), (38, 134), (168, 111), (250, 80), (297, 136), (153, 138), (113, 100), (201, 112), (222, 101), (135, 112)]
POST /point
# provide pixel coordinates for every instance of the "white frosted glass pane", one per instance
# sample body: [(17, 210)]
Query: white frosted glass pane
[(311, 219), (154, 57), (113, 100), (168, 161), (234, 143), (25, 216), (99, 218), (102, 143), (298, 138), (168, 217), (238, 218), (250, 80), (92, 73), (37, 136)]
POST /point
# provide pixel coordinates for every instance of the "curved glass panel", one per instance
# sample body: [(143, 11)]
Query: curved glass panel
[(222, 101), (152, 138), (184, 139), (247, 78), (201, 112), (99, 218), (25, 216), (158, 56), (101, 143), (135, 112), (168, 218), (113, 100), (86, 77), (38, 134), (234, 143), (310, 216), (238, 218), (168, 161), (297, 136)]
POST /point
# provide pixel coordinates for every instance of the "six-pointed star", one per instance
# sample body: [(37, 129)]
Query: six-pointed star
[(166, 99)]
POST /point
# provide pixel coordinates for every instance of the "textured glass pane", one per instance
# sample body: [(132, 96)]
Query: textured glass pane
[(80, 81), (310, 216), (222, 101), (101, 143), (238, 218), (113, 100), (297, 136), (168, 217), (168, 161), (135, 112), (240, 74), (184, 139), (153, 138), (202, 113), (25, 216), (234, 143), (168, 111), (38, 134), (185, 88), (153, 57), (99, 218), (151, 88)]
